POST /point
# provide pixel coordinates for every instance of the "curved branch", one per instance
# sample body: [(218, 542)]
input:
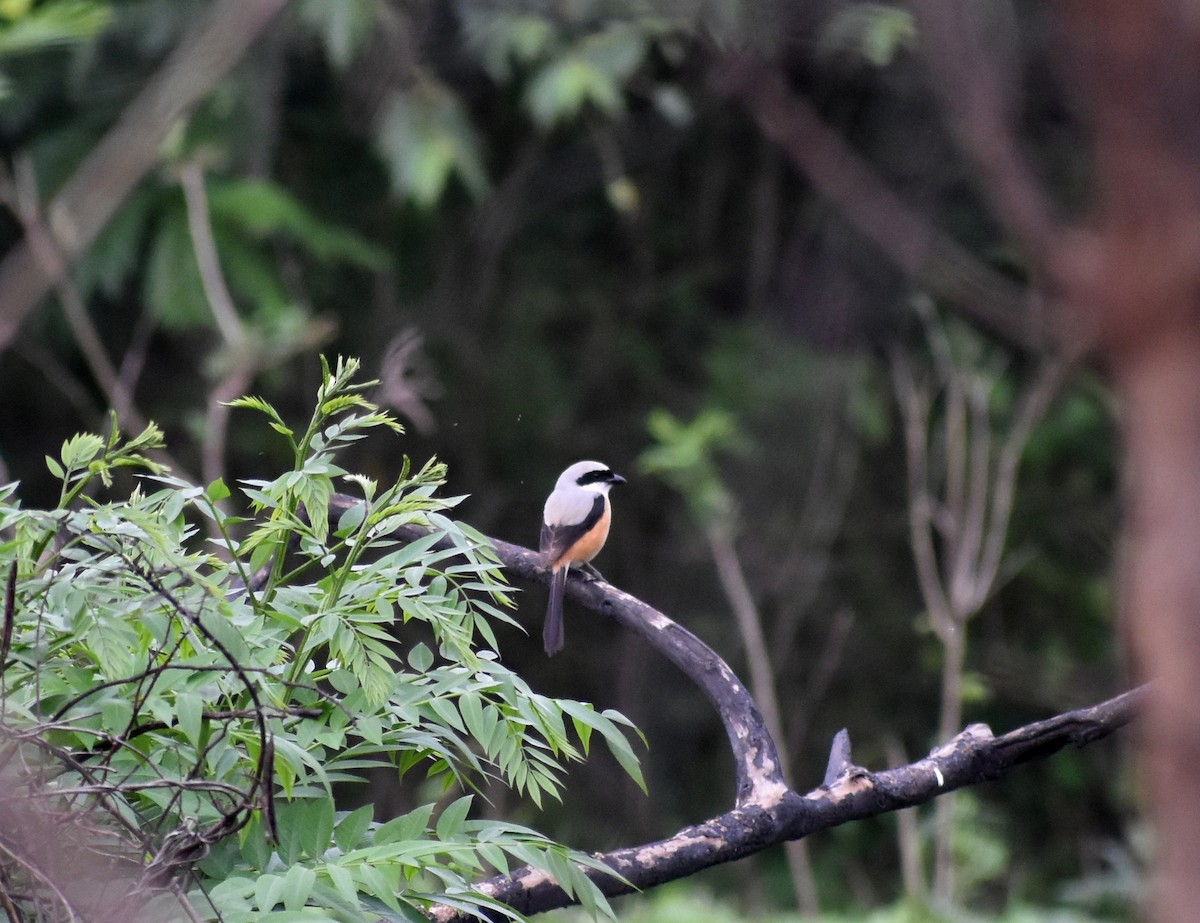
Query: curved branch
[(766, 812), (759, 777)]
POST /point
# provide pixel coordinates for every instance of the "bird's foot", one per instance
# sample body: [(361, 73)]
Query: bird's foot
[(590, 573)]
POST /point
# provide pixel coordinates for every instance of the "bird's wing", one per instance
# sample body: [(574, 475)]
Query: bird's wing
[(558, 531)]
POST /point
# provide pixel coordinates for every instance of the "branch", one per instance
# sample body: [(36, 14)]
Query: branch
[(915, 401), (64, 861), (981, 110), (766, 812), (131, 147), (22, 196), (909, 240), (204, 246), (974, 756), (20, 193), (1031, 407), (762, 680)]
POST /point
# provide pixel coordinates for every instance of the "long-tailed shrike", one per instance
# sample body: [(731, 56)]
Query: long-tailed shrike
[(574, 526)]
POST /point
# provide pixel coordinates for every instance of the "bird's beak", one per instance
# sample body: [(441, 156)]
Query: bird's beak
[(615, 478)]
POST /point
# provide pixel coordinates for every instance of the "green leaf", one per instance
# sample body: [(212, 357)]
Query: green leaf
[(616, 51), (297, 886), (500, 37), (255, 849), (289, 819), (450, 823), (116, 715), (268, 891), (560, 89), (252, 275), (410, 826), (261, 207), (189, 710), (877, 32), (593, 71), (562, 870), (350, 520), (425, 137), (234, 888), (297, 760), (49, 24), (316, 826), (420, 658), (172, 286), (350, 830), (80, 450), (343, 881), (116, 255), (616, 741), (343, 25)]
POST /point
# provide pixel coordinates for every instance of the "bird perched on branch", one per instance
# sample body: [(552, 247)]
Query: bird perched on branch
[(574, 527)]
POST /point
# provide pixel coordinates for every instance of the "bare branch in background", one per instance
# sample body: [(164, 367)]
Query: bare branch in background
[(762, 679), (982, 108), (942, 266), (191, 179), (962, 473), (24, 202), (808, 551), (243, 357), (130, 149), (19, 191)]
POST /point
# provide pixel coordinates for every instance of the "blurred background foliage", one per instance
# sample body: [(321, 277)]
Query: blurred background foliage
[(552, 236)]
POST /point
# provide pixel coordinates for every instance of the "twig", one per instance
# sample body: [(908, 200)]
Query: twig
[(262, 786), (191, 179), (762, 679), (914, 405), (20, 190)]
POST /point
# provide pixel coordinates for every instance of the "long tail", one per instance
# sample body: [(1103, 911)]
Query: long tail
[(552, 632)]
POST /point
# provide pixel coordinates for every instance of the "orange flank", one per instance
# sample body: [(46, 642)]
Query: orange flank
[(589, 546)]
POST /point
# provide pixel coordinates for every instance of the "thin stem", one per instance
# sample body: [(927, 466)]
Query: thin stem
[(191, 179), (954, 658), (737, 592)]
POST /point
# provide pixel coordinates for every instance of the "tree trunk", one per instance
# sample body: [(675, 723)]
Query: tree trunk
[(1161, 574)]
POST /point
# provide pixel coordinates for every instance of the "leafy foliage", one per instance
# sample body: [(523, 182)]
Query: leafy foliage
[(876, 32), (25, 27), (216, 687), (684, 454), (426, 137)]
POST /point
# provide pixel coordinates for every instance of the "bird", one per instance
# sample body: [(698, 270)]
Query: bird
[(575, 525)]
